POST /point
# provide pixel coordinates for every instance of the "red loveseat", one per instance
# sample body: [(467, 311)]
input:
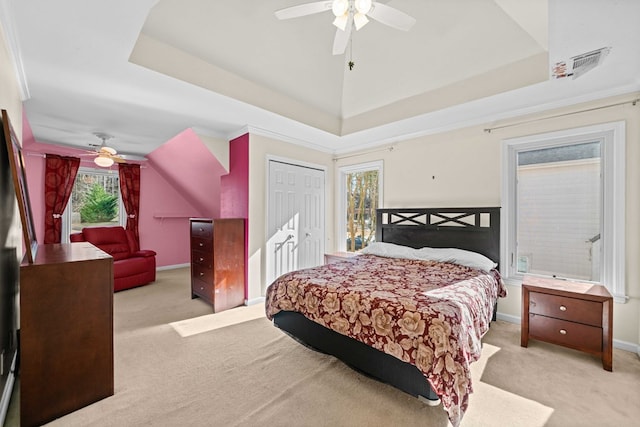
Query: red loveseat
[(131, 266)]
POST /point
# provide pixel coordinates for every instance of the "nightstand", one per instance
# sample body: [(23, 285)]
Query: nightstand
[(339, 256), (572, 314)]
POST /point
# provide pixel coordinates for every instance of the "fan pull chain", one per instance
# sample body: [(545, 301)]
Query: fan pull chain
[(351, 63)]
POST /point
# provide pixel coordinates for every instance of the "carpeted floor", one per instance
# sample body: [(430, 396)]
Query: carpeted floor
[(176, 364)]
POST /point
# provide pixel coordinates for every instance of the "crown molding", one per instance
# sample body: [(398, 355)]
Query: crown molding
[(11, 37), (254, 130), (450, 119)]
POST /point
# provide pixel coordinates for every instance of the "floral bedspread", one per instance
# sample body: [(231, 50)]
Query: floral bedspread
[(430, 314)]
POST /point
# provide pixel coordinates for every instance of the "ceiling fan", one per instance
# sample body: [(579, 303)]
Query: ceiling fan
[(350, 13), (105, 156)]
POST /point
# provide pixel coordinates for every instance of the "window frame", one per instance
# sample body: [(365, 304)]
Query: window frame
[(66, 215), (343, 171), (613, 139)]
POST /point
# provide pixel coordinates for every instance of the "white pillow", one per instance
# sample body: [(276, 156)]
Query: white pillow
[(391, 250), (457, 256)]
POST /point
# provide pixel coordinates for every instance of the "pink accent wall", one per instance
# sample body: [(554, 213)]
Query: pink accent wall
[(164, 219), (34, 168), (234, 193), (192, 169), (234, 187)]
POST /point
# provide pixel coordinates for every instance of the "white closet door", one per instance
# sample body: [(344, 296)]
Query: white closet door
[(295, 221)]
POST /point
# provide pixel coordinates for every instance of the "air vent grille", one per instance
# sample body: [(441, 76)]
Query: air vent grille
[(588, 61), (580, 64)]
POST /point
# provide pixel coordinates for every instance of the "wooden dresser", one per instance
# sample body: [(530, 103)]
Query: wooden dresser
[(66, 333), (217, 261), (572, 314)]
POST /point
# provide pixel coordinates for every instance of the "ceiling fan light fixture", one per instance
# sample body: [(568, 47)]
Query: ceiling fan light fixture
[(363, 6), (341, 21), (360, 20), (109, 150), (103, 161), (349, 14), (340, 7)]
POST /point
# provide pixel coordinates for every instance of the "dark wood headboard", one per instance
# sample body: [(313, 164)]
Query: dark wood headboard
[(472, 229)]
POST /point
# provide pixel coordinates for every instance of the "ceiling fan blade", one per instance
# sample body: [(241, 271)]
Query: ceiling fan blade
[(108, 150), (392, 17), (303, 10), (341, 39)]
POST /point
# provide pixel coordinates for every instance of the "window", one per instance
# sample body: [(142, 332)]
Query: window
[(360, 196), (95, 201), (563, 206)]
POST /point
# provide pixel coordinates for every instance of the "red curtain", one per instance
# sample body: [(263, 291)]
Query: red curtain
[(130, 190), (60, 174)]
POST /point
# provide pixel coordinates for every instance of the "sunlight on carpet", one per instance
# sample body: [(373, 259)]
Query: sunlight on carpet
[(487, 401), (209, 322)]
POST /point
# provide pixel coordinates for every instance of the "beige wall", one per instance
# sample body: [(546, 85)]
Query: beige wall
[(9, 90), (10, 101), (260, 147), (463, 168)]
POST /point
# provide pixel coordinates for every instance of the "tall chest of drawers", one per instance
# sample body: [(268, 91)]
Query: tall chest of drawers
[(571, 314), (218, 261)]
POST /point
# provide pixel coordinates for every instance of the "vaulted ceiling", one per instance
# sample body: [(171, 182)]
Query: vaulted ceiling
[(144, 71)]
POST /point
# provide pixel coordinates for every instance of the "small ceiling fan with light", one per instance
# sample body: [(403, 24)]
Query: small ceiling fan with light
[(105, 156), (350, 13)]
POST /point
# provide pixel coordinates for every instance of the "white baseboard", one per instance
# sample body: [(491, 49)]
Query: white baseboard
[(622, 345), (628, 346), (508, 318), (172, 267), (259, 300)]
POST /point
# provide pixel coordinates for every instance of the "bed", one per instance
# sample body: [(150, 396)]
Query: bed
[(397, 312)]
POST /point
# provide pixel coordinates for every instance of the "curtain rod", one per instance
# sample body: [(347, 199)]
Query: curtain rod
[(632, 102), (391, 148), (44, 156)]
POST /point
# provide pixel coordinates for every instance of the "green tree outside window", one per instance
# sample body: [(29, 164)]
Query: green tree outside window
[(362, 201), (99, 206)]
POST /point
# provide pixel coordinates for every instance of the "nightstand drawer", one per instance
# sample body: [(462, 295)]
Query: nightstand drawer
[(569, 334), (573, 309)]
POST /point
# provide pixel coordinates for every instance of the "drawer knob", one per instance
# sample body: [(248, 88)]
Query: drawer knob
[(201, 229), (201, 244), (563, 331), (563, 308), (201, 259), (201, 274)]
